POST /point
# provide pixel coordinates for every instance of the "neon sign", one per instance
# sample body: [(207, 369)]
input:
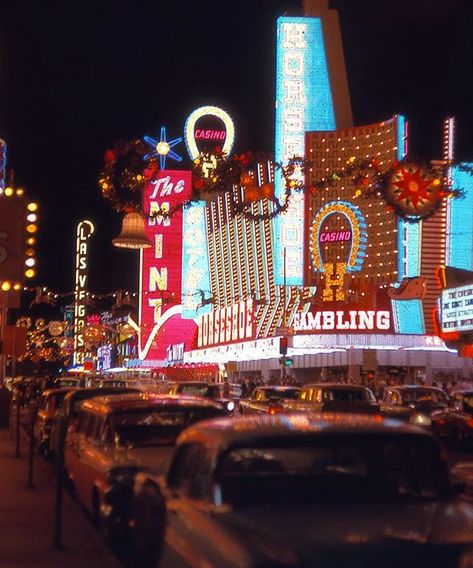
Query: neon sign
[(161, 265), (303, 102), (210, 134), (334, 236), (224, 325), (190, 132), (342, 320), (358, 232), (85, 229)]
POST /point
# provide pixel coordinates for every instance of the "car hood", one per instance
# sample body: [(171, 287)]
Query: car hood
[(357, 534), (426, 407)]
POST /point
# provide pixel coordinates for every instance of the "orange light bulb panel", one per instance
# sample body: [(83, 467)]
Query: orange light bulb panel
[(18, 222)]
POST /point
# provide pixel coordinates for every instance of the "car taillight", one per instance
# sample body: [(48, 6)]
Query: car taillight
[(469, 422), (276, 409)]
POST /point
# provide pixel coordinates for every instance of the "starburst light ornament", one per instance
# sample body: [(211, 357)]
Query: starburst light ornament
[(162, 148)]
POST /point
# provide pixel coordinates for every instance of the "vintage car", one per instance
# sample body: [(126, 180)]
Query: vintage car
[(303, 490), (454, 424), (213, 391), (267, 399), (119, 435), (66, 416), (50, 401), (332, 397), (413, 403)]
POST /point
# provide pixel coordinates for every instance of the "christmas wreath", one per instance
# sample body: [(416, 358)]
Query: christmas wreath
[(123, 177)]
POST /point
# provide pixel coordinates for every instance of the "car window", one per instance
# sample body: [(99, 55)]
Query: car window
[(468, 402), (158, 426), (190, 472), (424, 395), (83, 422), (344, 395), (339, 468)]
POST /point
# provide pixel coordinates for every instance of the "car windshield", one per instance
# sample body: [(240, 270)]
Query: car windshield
[(337, 469), (157, 426), (428, 396)]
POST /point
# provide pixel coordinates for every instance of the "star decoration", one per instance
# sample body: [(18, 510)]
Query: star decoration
[(414, 187), (162, 148)]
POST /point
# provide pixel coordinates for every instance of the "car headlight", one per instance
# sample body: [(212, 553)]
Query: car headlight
[(230, 405), (420, 419)]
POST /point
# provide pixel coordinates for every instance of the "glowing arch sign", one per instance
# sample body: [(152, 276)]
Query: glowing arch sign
[(213, 135), (357, 234)]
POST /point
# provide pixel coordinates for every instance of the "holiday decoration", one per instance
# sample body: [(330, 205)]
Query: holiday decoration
[(414, 190), (122, 177)]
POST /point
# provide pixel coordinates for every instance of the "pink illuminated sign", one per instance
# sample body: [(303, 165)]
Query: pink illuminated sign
[(335, 236), (210, 134), (161, 266)]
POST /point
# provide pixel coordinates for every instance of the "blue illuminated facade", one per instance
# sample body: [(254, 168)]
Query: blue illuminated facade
[(303, 103), (195, 262), (460, 222)]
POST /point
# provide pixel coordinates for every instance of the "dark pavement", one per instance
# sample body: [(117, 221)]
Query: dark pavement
[(27, 518)]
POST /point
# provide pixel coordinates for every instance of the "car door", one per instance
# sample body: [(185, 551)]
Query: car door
[(190, 483)]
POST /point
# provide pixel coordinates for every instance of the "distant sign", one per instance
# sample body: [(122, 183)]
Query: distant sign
[(457, 309)]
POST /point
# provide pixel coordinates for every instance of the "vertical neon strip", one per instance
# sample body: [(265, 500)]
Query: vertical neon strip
[(303, 102), (448, 152), (85, 229), (195, 260)]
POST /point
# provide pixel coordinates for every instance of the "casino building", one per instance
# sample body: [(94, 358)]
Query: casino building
[(349, 283)]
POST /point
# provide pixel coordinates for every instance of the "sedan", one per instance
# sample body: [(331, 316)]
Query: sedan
[(302, 490), (212, 391), (454, 424), (267, 399), (413, 403)]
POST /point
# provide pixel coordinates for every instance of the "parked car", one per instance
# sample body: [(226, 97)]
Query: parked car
[(117, 436), (50, 401), (66, 381), (268, 399), (300, 490), (66, 416), (414, 403), (333, 397), (212, 391), (454, 424)]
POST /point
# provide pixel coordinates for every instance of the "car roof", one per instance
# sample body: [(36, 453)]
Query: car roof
[(462, 391), (415, 387), (278, 387), (203, 383), (134, 401), (100, 391), (222, 433), (59, 390), (335, 386)]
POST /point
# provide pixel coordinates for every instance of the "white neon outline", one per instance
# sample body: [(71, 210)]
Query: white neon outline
[(175, 310), (194, 116)]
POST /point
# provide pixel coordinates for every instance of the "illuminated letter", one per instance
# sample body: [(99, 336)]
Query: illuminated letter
[(157, 280), (366, 319), (383, 320), (328, 320), (334, 287)]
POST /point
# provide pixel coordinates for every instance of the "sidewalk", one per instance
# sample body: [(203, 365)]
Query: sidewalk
[(27, 518)]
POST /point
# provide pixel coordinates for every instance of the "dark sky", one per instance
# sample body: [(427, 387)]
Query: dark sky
[(77, 75)]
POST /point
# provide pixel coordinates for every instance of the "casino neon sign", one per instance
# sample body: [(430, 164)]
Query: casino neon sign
[(358, 234), (191, 133)]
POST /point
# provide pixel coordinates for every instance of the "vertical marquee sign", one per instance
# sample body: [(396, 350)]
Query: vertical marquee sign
[(85, 229), (303, 102), (161, 265)]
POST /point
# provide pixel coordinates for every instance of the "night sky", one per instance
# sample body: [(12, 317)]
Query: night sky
[(78, 75)]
